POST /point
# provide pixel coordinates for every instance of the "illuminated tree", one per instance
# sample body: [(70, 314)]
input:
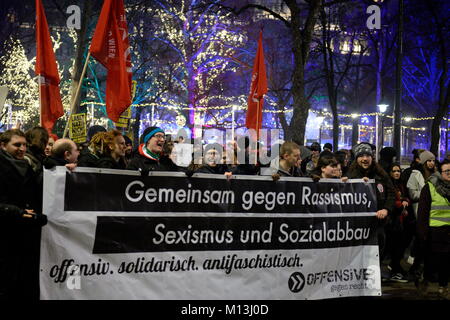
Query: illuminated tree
[(202, 44)]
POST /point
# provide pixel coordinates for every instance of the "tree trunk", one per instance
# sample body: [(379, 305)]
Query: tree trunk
[(444, 101), (137, 125), (301, 40)]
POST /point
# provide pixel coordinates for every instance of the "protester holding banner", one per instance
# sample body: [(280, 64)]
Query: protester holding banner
[(433, 228), (290, 160), (64, 153), (149, 152), (169, 158), (248, 168), (212, 160), (21, 220), (365, 167), (327, 167)]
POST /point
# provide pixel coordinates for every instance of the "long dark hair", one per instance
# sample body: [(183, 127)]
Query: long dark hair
[(324, 160), (390, 167)]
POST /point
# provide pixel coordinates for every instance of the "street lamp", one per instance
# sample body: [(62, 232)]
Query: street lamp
[(320, 121), (234, 108), (403, 135), (355, 128), (382, 107)]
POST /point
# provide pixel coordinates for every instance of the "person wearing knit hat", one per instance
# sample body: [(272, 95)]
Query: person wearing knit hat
[(93, 130), (426, 156), (415, 183), (419, 176), (362, 149), (365, 167), (147, 158)]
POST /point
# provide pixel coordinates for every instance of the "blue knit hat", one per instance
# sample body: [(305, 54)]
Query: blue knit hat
[(148, 133)]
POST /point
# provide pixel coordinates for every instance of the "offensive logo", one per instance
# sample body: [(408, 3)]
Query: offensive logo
[(296, 282)]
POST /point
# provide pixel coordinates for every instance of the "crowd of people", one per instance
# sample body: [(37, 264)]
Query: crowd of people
[(413, 204)]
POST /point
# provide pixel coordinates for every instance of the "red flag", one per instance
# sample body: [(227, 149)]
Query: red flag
[(50, 98), (111, 48), (258, 88)]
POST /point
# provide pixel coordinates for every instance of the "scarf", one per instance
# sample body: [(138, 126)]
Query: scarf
[(442, 186), (20, 165), (143, 151)]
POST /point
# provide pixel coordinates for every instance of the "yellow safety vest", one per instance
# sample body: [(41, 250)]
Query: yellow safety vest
[(440, 209)]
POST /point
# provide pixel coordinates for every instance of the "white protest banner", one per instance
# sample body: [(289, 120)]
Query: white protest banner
[(115, 234)]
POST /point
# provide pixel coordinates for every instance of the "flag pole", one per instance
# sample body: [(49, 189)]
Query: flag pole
[(40, 99), (257, 126), (74, 100)]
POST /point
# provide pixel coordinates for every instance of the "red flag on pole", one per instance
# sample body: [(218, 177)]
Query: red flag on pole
[(46, 69), (258, 88), (111, 48)]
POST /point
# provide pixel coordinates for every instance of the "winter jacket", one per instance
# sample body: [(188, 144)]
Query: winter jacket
[(415, 184), (437, 237), (219, 169), (383, 185), (143, 164), (87, 159), (19, 235), (109, 162)]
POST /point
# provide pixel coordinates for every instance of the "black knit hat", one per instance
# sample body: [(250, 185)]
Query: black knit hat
[(93, 130), (148, 133)]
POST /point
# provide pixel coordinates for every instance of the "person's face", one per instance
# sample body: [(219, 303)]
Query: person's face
[(364, 161), (430, 164), (49, 147), (119, 146), (446, 172), (338, 171), (329, 171), (16, 147), (72, 156), (395, 172), (128, 149), (293, 159), (156, 143), (212, 157)]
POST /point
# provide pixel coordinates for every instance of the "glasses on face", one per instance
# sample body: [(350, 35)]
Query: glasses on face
[(446, 172), (395, 171), (159, 136)]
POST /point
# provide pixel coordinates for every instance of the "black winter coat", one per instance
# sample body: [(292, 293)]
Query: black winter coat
[(383, 185), (109, 162), (144, 164), (87, 159), (19, 235)]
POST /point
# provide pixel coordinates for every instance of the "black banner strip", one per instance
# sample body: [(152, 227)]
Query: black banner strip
[(157, 234), (125, 193)]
